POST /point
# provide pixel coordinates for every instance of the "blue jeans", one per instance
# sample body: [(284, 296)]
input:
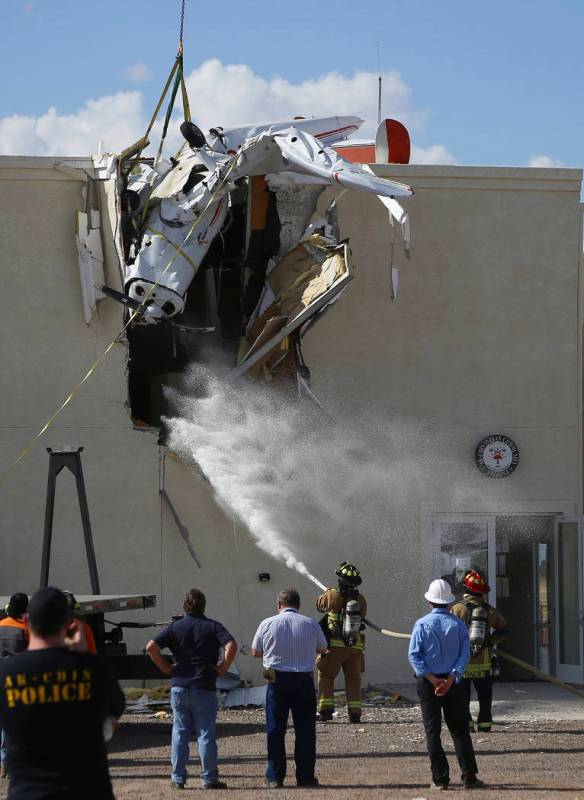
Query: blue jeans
[(3, 748), (194, 711), (292, 691)]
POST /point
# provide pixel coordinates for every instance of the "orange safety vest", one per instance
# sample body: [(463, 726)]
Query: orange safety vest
[(13, 636)]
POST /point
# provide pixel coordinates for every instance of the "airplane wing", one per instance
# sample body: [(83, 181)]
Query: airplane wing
[(298, 152), (328, 130), (306, 155)]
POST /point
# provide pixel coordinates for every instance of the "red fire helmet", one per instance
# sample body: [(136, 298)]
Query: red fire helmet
[(475, 583)]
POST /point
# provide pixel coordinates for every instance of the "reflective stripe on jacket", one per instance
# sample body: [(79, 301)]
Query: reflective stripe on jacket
[(331, 604), (480, 665)]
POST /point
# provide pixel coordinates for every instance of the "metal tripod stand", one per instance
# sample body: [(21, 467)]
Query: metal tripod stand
[(58, 460)]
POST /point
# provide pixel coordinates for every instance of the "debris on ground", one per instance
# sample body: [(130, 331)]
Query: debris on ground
[(384, 757), (144, 701)]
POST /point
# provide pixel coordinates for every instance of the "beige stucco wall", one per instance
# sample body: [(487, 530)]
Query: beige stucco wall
[(484, 338), (46, 348)]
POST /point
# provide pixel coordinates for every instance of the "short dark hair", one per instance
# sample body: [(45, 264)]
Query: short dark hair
[(17, 605), (289, 597), (194, 603), (48, 611)]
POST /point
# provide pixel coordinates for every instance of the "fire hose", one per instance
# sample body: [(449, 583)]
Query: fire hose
[(384, 631), (507, 656), (543, 675), (512, 659)]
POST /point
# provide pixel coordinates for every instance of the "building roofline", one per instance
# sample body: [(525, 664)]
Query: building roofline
[(46, 168), (419, 175), (36, 162), (436, 176)]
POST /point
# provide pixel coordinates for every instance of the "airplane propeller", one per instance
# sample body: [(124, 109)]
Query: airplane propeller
[(122, 298)]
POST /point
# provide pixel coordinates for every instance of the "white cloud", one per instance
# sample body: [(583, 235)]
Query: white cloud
[(117, 119), (139, 72), (220, 95), (544, 161), (234, 95), (435, 154)]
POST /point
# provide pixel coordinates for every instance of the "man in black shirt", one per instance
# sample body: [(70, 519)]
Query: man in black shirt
[(53, 704), (195, 641)]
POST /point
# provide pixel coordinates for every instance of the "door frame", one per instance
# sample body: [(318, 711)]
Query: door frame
[(552, 626), (491, 543), (568, 672)]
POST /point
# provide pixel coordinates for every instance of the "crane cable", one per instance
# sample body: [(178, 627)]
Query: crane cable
[(176, 74)]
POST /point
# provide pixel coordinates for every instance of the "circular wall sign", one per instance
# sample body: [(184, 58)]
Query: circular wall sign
[(497, 456)]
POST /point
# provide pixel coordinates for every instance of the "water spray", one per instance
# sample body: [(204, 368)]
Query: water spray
[(269, 463), (316, 581)]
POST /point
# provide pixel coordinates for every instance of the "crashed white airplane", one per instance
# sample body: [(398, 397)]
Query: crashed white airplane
[(224, 239)]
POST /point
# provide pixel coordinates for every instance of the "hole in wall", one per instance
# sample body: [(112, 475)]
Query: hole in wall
[(219, 302)]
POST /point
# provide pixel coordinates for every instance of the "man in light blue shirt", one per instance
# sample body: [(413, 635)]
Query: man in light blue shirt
[(288, 643), (439, 652)]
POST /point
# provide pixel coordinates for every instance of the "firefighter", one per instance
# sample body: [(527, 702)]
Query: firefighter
[(13, 640), (487, 627), (344, 609)]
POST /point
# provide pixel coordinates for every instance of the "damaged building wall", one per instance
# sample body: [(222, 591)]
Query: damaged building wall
[(46, 348), (483, 339)]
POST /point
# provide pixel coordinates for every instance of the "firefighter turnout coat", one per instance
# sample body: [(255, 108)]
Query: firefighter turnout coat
[(480, 665), (339, 656)]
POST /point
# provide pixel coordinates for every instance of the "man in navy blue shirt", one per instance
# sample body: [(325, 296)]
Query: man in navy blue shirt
[(439, 652), (195, 642)]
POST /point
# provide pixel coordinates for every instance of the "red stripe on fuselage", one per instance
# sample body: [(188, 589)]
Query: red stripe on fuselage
[(217, 210), (336, 130)]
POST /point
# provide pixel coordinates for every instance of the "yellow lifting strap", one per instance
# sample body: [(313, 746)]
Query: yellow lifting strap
[(176, 75), (178, 81), (185, 98), (175, 67), (179, 250)]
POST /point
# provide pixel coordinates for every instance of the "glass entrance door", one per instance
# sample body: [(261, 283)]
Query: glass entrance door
[(464, 542), (569, 628), (543, 601)]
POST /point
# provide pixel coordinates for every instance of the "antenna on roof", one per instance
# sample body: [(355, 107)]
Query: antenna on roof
[(379, 79)]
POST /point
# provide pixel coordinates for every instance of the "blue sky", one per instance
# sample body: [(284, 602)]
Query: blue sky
[(489, 83)]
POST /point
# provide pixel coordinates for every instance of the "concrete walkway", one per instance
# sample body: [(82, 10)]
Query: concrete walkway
[(526, 701)]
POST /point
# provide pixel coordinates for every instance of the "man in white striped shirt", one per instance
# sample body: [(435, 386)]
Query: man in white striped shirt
[(288, 644)]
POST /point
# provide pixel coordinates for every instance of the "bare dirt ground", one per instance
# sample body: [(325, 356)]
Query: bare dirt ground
[(384, 757)]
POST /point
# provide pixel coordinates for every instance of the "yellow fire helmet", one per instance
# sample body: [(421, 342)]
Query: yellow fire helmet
[(348, 573)]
